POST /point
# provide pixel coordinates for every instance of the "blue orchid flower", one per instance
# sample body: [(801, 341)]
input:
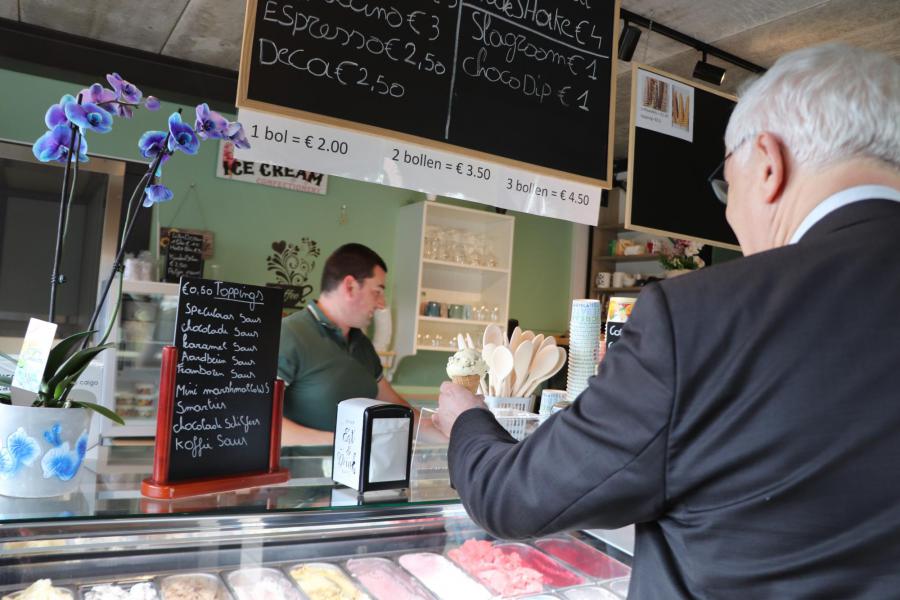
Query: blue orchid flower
[(183, 137), (157, 193), (53, 436), (235, 133), (21, 450), (152, 103), (101, 96), (54, 146), (56, 114), (127, 93), (89, 116), (210, 124)]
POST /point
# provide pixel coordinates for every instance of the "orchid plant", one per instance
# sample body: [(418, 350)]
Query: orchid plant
[(68, 121), (682, 254)]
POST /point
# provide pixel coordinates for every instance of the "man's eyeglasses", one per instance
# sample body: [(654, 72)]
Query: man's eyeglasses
[(716, 179)]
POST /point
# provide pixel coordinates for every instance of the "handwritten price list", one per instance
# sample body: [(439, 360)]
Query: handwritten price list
[(227, 338), (518, 79)]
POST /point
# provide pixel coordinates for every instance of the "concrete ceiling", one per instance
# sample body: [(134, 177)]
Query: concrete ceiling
[(209, 31)]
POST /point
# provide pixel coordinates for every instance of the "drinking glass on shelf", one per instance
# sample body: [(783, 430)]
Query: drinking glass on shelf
[(426, 340), (474, 245), (432, 242), (495, 313), (437, 340), (489, 259)]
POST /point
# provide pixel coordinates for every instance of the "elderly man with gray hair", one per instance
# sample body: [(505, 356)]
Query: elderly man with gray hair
[(748, 420)]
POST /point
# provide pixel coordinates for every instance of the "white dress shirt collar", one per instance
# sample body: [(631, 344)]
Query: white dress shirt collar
[(841, 199)]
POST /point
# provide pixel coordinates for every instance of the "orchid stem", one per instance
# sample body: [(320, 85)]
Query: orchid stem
[(65, 197)]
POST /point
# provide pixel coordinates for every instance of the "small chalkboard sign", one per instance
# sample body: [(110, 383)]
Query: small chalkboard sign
[(184, 256), (220, 401)]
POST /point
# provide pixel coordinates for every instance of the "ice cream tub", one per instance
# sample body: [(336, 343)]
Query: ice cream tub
[(42, 589), (192, 586), (442, 578), (261, 583), (619, 586), (503, 571), (120, 590), (384, 580), (324, 581), (589, 592), (555, 574), (582, 557)]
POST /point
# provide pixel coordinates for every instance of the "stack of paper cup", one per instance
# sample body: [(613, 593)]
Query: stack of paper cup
[(584, 345)]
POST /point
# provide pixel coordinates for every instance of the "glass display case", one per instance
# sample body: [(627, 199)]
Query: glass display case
[(304, 539), (145, 323)]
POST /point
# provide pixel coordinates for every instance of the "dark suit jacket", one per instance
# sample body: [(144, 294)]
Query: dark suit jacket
[(748, 422)]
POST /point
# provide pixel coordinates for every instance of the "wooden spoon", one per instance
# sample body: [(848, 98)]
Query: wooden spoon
[(515, 339), (521, 363), (501, 366), (544, 367), (560, 361), (493, 335), (548, 341)]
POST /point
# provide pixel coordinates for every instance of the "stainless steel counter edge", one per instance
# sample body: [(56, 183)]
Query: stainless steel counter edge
[(35, 539)]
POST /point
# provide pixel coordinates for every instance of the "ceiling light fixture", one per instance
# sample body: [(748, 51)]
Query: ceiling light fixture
[(628, 41), (709, 73)]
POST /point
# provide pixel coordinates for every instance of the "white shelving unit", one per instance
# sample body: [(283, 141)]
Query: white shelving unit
[(146, 323), (419, 280)]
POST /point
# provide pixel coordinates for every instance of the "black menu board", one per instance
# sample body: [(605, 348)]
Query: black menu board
[(227, 337), (527, 82), (668, 187), (184, 256)]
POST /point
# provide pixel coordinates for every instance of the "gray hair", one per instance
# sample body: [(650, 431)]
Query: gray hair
[(827, 103)]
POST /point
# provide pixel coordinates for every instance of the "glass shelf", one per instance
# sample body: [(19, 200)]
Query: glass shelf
[(444, 263)]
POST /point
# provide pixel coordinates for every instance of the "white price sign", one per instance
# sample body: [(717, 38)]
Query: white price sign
[(355, 155)]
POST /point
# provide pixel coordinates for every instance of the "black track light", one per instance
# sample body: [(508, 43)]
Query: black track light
[(628, 41), (709, 73)]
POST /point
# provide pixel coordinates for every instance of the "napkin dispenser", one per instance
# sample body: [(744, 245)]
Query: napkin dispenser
[(372, 445)]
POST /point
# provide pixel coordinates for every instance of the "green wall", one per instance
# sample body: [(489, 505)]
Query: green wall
[(247, 218)]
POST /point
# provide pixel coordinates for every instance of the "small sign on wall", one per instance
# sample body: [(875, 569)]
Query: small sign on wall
[(298, 180)]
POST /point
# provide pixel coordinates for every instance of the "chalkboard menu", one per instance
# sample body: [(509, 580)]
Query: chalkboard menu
[(677, 141), (524, 82), (184, 256), (227, 338)]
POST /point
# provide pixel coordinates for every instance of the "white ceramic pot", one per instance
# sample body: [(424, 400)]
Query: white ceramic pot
[(41, 450)]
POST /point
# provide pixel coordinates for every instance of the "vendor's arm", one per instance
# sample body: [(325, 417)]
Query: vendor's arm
[(599, 463), (295, 434), (386, 393)]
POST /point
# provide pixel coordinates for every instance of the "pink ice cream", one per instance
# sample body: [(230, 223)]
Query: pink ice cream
[(502, 571), (442, 577), (586, 559), (385, 580), (555, 575)]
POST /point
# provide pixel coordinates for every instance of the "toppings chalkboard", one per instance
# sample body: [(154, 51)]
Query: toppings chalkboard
[(526, 82), (184, 255), (227, 338)]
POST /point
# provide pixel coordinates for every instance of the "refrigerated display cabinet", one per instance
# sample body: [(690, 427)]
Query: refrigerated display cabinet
[(106, 533)]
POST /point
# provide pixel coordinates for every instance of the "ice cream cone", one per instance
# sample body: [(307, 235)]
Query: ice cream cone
[(470, 382)]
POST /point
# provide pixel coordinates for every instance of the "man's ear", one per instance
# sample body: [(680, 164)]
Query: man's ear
[(771, 171), (349, 285)]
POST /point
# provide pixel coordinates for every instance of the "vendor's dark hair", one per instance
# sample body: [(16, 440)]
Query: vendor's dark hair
[(350, 259)]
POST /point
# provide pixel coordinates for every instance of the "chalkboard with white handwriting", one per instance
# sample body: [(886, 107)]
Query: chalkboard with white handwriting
[(524, 81), (227, 336), (184, 256)]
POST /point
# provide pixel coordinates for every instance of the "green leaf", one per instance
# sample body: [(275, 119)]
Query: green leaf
[(99, 409), (62, 386), (59, 353), (75, 365)]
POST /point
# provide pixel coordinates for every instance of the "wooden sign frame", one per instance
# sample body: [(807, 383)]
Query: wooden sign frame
[(243, 101), (158, 484), (635, 67)]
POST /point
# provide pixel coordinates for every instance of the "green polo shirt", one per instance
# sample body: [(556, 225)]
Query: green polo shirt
[(321, 367)]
